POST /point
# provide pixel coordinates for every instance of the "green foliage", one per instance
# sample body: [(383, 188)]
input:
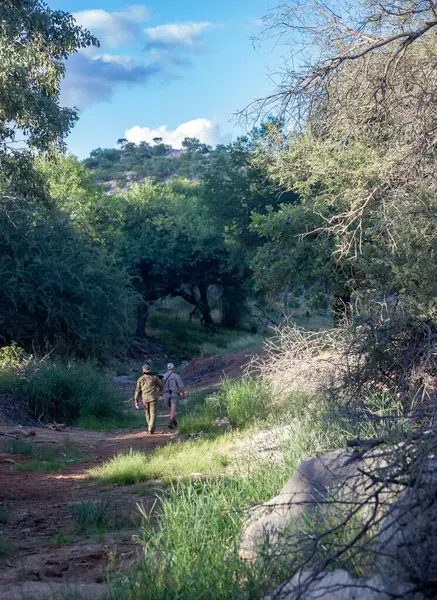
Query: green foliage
[(64, 391), (158, 162), (38, 41), (189, 339), (11, 356), (244, 402), (58, 288)]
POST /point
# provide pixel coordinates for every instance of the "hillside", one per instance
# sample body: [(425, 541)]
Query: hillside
[(131, 163)]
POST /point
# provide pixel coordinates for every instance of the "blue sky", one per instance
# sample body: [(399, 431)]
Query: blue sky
[(187, 64)]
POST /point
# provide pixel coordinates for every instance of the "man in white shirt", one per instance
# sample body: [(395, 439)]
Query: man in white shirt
[(173, 390)]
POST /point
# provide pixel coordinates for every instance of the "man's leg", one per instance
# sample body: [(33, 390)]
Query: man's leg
[(147, 411), (173, 409), (152, 416)]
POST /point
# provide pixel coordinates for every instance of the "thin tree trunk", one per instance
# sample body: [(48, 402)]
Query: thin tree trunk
[(143, 313)]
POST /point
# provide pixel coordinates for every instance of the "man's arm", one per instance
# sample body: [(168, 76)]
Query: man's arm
[(160, 382), (181, 386), (137, 393)]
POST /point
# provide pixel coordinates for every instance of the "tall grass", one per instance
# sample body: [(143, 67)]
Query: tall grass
[(191, 539), (64, 391)]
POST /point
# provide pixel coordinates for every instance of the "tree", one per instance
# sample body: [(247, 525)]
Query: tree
[(171, 249), (360, 154), (38, 40), (58, 288), (234, 187), (195, 145)]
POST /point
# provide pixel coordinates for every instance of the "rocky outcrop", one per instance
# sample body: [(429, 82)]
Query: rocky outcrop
[(340, 476)]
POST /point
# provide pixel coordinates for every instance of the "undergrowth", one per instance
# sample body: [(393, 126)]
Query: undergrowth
[(59, 390)]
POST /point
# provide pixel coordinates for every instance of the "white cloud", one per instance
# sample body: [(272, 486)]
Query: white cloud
[(176, 34), (114, 29), (94, 74), (202, 129)]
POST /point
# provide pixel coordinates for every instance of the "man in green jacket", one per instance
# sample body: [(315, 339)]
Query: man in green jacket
[(148, 387)]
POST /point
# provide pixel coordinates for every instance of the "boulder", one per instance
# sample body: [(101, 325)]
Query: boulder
[(338, 475), (337, 585), (406, 547)]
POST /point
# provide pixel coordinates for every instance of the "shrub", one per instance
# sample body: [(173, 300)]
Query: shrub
[(244, 402), (68, 391), (60, 289)]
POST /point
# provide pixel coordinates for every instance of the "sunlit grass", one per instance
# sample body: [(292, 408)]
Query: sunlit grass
[(172, 462)]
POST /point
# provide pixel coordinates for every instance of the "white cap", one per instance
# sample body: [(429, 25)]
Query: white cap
[(170, 366)]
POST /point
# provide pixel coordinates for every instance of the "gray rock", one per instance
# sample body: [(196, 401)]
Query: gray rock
[(318, 481), (407, 540), (337, 585)]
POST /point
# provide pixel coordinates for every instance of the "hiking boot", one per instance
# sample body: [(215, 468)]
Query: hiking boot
[(151, 432), (173, 424)]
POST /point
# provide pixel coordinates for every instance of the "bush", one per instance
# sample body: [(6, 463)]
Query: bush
[(68, 391), (59, 289), (244, 402)]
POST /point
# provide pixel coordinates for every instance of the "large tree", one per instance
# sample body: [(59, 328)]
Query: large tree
[(171, 248), (36, 42), (361, 109)]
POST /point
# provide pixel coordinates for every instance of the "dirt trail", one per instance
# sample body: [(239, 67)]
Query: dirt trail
[(46, 558), (40, 561)]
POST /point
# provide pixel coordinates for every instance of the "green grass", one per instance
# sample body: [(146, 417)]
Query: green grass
[(90, 515), (61, 539), (52, 465), (44, 458), (170, 463), (126, 420), (64, 391), (189, 339), (193, 550)]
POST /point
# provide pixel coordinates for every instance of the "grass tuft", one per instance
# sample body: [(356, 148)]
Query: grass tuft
[(170, 463), (44, 458), (5, 512), (90, 515)]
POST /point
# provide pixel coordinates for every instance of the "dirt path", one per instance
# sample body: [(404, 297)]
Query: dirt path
[(45, 556)]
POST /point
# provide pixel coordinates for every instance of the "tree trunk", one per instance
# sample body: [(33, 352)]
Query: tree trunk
[(204, 306), (143, 313)]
